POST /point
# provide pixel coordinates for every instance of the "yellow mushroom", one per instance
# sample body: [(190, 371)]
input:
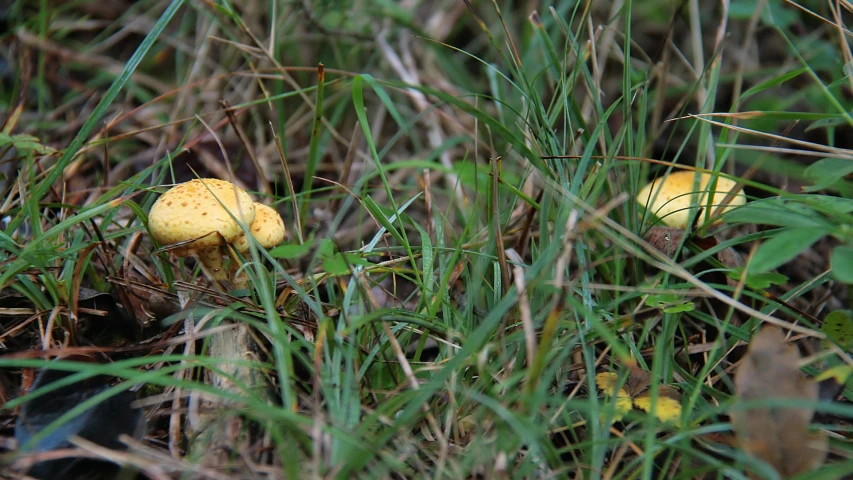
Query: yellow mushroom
[(267, 229), (202, 216), (671, 200)]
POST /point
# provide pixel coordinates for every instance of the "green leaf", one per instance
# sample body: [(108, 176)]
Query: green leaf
[(775, 81), (681, 307), (759, 281), (773, 12), (832, 121), (326, 248), (380, 92), (341, 263), (337, 263), (471, 174), (838, 326), (777, 211), (428, 263), (656, 301), (291, 251), (839, 373), (778, 14), (830, 204), (741, 9), (841, 261), (783, 248), (827, 172), (670, 303), (24, 142), (378, 212)]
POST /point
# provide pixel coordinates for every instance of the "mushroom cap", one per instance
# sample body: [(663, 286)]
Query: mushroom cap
[(671, 201), (267, 229), (195, 210)]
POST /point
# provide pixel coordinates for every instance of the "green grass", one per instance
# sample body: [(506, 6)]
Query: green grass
[(482, 260)]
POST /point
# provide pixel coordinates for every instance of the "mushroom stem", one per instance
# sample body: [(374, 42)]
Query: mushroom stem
[(211, 260)]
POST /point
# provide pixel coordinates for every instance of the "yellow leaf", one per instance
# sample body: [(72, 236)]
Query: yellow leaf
[(623, 406), (840, 373), (606, 382), (667, 407)]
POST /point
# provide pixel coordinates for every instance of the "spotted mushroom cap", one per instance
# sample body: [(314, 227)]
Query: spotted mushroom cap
[(267, 229), (196, 209), (671, 201)]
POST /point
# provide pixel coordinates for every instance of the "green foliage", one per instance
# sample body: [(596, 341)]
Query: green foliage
[(24, 143), (337, 263), (827, 172), (842, 263), (838, 326), (784, 247), (291, 251), (670, 303), (759, 281), (774, 13), (805, 220)]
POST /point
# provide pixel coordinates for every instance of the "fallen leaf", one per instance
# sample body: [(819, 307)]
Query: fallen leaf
[(777, 435), (667, 408), (102, 423), (664, 239), (606, 382), (634, 393), (731, 260)]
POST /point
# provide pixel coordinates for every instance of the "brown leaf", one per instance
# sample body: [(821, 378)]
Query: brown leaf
[(637, 381), (730, 259), (705, 243), (776, 435), (664, 239)]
